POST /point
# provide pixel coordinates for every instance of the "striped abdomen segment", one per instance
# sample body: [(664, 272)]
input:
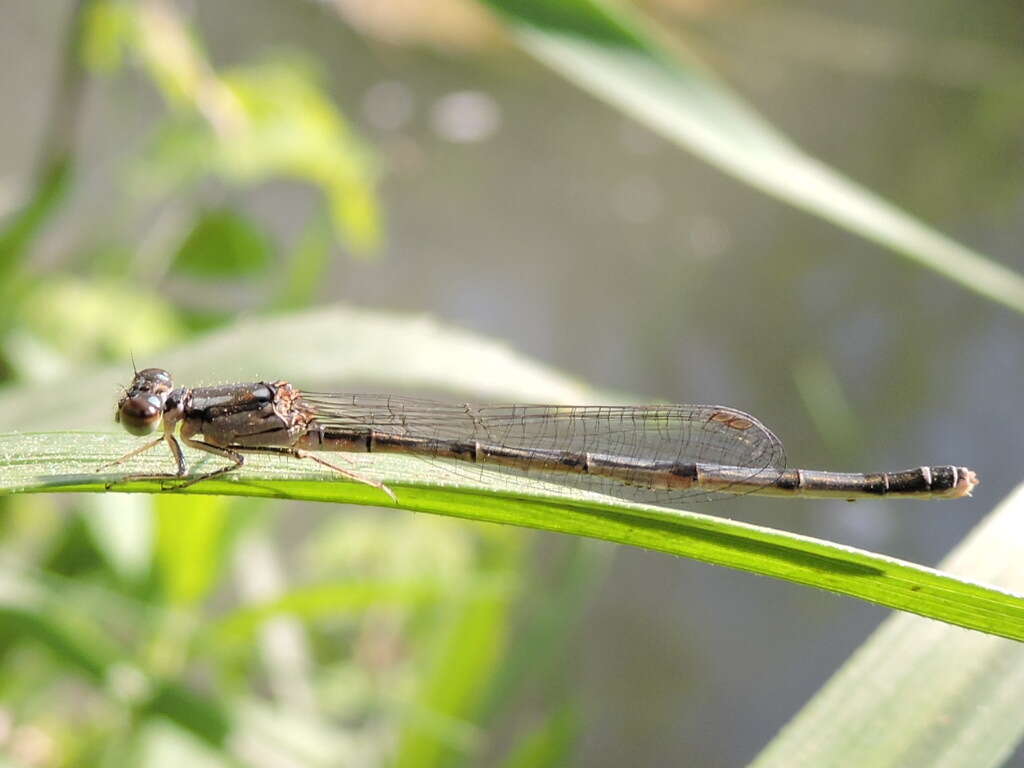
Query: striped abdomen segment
[(944, 482), (639, 471), (658, 474)]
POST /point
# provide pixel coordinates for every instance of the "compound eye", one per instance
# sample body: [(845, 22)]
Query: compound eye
[(140, 415), (157, 376)]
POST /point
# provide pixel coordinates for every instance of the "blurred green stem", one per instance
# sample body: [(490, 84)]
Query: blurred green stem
[(62, 127), (52, 176)]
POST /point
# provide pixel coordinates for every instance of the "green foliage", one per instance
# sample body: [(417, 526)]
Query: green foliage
[(47, 464), (73, 318), (601, 22), (26, 224), (308, 261), (323, 601), (550, 744), (460, 664), (927, 694), (274, 123), (19, 233), (613, 57), (224, 243), (109, 30), (190, 546)]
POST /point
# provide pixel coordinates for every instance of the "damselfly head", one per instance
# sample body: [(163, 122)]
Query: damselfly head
[(142, 405)]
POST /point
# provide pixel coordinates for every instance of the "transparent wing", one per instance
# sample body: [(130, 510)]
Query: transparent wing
[(678, 434)]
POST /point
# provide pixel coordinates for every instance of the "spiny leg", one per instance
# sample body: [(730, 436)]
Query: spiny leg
[(347, 473), (237, 459), (216, 450), (130, 454), (300, 454), (172, 443)]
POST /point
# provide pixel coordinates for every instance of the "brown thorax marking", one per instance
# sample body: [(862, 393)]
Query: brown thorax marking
[(290, 407)]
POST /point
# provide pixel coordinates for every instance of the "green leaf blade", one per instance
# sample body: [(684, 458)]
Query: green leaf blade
[(921, 693), (608, 52), (224, 243), (190, 542), (50, 462)]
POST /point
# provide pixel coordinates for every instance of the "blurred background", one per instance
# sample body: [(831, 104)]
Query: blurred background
[(169, 169)]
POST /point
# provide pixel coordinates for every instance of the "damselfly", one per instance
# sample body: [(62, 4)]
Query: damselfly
[(661, 454)]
